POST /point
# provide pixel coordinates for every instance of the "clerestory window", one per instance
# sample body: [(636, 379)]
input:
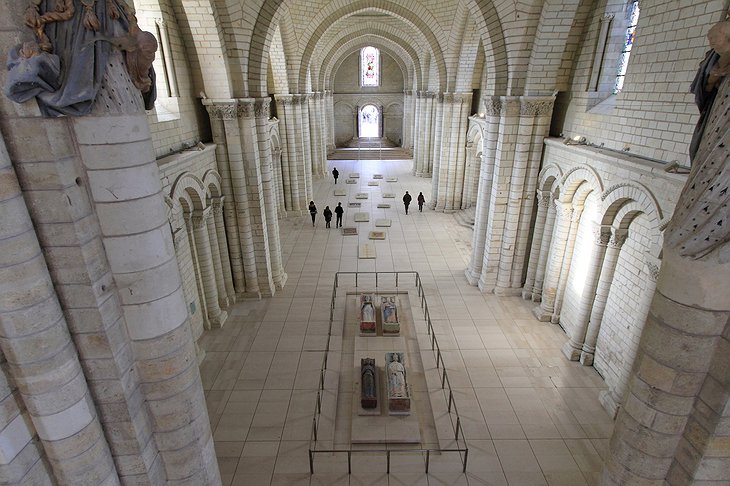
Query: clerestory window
[(370, 67), (632, 17)]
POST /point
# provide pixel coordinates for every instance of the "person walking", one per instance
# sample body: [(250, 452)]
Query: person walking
[(338, 211), (327, 213), (312, 211), (335, 174), (407, 201), (420, 200)]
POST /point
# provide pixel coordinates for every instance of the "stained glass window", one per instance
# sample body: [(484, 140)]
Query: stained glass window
[(370, 66), (632, 15)]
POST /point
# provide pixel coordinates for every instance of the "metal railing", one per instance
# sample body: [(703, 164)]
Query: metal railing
[(443, 375)]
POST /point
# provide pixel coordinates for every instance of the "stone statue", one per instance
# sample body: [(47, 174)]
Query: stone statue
[(367, 316), (700, 221), (64, 66), (368, 390), (390, 312), (397, 377)]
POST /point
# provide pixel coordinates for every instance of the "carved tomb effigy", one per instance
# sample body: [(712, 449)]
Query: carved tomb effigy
[(368, 383), (399, 399), (368, 324), (389, 316)]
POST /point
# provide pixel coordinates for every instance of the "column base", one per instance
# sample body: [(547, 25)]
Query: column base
[(218, 321), (537, 298), (541, 314), (471, 277), (555, 319), (609, 402), (224, 302), (282, 281), (507, 291), (241, 296), (586, 359), (527, 294), (423, 174), (570, 351)]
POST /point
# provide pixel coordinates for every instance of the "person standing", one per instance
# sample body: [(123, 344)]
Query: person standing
[(327, 213), (312, 211), (338, 211), (407, 201), (335, 174), (420, 200)]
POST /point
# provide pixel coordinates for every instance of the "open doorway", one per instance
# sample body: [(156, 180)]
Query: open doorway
[(369, 121)]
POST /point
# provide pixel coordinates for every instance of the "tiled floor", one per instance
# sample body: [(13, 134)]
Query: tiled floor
[(530, 416)]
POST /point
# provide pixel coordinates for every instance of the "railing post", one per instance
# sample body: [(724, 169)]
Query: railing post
[(458, 426), (314, 428), (319, 402), (311, 462), (443, 378), (396, 279), (349, 462), (466, 457), (451, 400), (387, 462), (428, 459), (355, 279), (376, 280)]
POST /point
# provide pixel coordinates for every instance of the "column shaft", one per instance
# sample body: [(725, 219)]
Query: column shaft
[(544, 200), (215, 253), (216, 316), (218, 210), (564, 211)]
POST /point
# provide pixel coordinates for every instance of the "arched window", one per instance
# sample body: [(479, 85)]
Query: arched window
[(632, 16), (369, 67), (369, 121)]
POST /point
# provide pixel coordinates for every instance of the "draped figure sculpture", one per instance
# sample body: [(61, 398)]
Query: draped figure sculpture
[(389, 313), (367, 315), (399, 401), (368, 390)]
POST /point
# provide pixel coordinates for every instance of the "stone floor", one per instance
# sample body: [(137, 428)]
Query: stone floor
[(531, 417)]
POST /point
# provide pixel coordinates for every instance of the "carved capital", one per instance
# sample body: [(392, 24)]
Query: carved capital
[(262, 108), (408, 92), (222, 111), (653, 265), (540, 107), (246, 108), (563, 209), (286, 99), (607, 17), (602, 234), (199, 219), (216, 203), (618, 238), (492, 106), (543, 199)]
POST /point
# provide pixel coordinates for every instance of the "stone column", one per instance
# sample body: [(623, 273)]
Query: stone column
[(567, 262), (407, 126), (474, 269), (279, 181), (268, 194), (218, 210), (314, 121), (507, 120), (544, 253), (302, 109), (42, 361), (229, 155), (534, 122), (292, 160), (603, 288), (215, 254), (573, 348), (216, 316), (564, 211), (417, 137), (544, 201), (437, 115), (330, 110), (448, 180)]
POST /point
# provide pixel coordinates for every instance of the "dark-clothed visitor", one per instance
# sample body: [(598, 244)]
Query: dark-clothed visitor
[(327, 213), (407, 201), (335, 174), (338, 211), (312, 211), (420, 200)]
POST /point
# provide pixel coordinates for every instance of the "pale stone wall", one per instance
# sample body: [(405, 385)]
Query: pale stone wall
[(347, 110)]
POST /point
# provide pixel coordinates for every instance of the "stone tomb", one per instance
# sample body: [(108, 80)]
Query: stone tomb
[(354, 204), (383, 223), (381, 424), (391, 179), (388, 195), (399, 398), (366, 251), (362, 217), (349, 231), (368, 321), (377, 176), (354, 175), (373, 183), (389, 321), (383, 206), (340, 192), (350, 181), (376, 235), (361, 195)]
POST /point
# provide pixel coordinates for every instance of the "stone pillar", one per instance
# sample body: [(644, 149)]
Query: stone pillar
[(564, 211), (544, 201), (216, 316), (504, 111), (448, 181), (279, 181), (302, 109), (215, 254), (533, 126), (292, 160), (437, 115), (330, 110), (567, 262), (226, 135), (544, 253), (315, 123), (605, 281), (218, 210), (474, 269), (42, 360), (268, 194), (573, 348), (417, 137), (407, 126), (200, 289)]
